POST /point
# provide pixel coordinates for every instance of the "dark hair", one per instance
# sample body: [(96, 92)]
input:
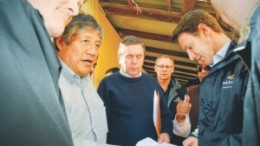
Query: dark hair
[(190, 21), (113, 70), (192, 82), (79, 22)]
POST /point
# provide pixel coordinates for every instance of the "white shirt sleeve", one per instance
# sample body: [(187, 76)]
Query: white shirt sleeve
[(195, 132), (183, 128)]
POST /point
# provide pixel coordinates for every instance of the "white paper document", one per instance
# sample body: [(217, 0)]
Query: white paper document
[(155, 107), (150, 142)]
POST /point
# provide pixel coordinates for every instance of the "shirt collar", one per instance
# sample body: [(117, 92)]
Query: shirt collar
[(73, 78), (127, 75), (68, 73), (220, 54)]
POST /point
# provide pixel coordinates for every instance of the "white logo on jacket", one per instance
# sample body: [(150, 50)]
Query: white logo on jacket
[(228, 83)]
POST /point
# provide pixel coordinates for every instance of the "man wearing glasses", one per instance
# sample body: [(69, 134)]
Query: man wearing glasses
[(172, 89), (202, 72)]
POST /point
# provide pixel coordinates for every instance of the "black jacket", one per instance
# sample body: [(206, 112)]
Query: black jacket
[(221, 105), (176, 94)]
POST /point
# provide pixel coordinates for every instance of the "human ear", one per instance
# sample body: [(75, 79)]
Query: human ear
[(59, 43), (203, 28)]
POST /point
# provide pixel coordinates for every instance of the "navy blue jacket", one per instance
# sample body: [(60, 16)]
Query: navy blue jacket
[(222, 94)]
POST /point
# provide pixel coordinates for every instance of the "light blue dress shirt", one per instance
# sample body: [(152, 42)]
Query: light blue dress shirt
[(85, 109), (220, 54)]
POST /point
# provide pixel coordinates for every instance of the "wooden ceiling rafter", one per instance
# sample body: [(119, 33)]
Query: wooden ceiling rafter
[(187, 6), (124, 32), (121, 9), (167, 52), (169, 5), (176, 62)]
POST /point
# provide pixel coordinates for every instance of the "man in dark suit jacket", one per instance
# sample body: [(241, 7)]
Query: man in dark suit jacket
[(31, 108)]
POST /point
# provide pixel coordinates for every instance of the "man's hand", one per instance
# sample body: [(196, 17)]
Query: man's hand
[(164, 137), (183, 108), (190, 141)]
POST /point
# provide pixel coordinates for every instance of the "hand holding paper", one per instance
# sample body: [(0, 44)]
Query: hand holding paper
[(164, 137)]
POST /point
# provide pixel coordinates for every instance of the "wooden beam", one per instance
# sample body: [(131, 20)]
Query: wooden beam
[(176, 62), (142, 24), (169, 5), (187, 6), (162, 45), (129, 2), (124, 32), (121, 9), (167, 52)]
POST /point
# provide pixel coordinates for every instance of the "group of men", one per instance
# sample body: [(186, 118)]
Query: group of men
[(49, 99)]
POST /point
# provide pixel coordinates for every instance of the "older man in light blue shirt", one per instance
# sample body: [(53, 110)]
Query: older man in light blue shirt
[(77, 50)]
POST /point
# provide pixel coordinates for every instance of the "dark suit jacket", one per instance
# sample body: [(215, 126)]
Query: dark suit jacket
[(31, 112)]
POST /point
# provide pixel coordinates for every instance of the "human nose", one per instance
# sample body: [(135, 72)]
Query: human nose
[(191, 55), (134, 59), (92, 50)]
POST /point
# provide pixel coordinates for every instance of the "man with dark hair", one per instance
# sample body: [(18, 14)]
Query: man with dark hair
[(223, 89), (112, 70), (31, 107), (78, 50)]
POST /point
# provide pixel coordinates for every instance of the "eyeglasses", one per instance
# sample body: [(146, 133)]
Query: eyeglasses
[(206, 68), (162, 66)]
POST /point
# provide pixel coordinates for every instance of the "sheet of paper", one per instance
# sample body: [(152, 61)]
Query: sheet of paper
[(108, 145), (150, 142), (155, 107)]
